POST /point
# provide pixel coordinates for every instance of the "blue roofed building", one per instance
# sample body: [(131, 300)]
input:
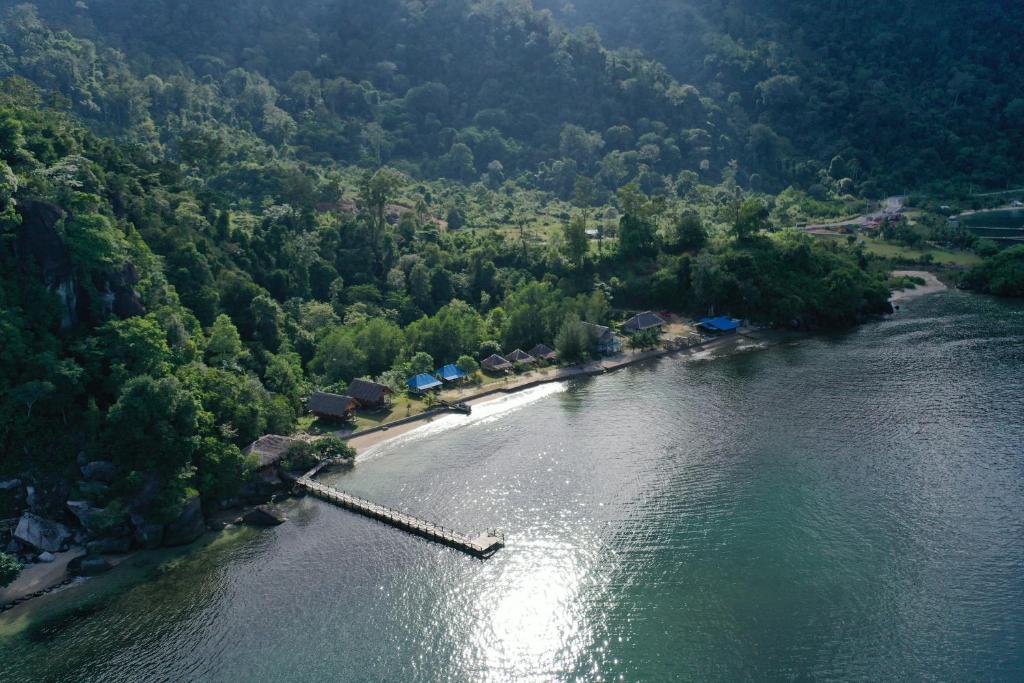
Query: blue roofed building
[(450, 373), (720, 325), (422, 383)]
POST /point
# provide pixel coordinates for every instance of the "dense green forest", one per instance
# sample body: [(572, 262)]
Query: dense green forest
[(209, 209), (904, 95)]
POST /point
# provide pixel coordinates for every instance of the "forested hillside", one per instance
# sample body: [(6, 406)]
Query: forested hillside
[(905, 94), (209, 209)]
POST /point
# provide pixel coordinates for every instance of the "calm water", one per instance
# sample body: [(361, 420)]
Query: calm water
[(846, 507)]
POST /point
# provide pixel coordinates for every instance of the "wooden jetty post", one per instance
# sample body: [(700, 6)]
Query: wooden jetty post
[(482, 545)]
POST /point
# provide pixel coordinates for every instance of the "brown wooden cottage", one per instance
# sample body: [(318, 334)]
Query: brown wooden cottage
[(520, 357), (496, 364), (332, 406), (544, 353), (369, 394)]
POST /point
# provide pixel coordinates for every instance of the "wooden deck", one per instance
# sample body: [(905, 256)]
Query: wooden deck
[(482, 545)]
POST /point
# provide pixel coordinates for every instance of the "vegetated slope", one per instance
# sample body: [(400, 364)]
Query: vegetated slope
[(905, 93)]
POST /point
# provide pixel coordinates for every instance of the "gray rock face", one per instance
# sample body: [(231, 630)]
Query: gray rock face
[(41, 534), (189, 526), (264, 515), (82, 511), (100, 470), (45, 557), (111, 546), (10, 485), (147, 535)]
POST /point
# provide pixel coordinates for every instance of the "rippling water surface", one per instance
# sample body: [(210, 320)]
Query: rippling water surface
[(845, 507)]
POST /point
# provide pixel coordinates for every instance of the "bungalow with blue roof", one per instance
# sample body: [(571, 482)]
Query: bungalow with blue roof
[(450, 373), (719, 325), (422, 383)]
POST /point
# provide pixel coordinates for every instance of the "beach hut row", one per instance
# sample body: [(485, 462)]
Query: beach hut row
[(497, 364)]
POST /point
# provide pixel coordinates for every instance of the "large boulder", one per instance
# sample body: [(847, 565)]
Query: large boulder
[(147, 535), (82, 511), (41, 534), (189, 526), (12, 497), (109, 546), (264, 515), (100, 470)]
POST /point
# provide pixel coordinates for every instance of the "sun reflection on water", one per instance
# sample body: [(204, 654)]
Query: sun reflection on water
[(534, 626)]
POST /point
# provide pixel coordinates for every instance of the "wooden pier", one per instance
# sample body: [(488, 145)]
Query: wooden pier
[(482, 545)]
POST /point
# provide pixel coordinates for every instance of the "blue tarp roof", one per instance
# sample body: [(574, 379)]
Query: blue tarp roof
[(720, 324), (423, 382), (450, 373)]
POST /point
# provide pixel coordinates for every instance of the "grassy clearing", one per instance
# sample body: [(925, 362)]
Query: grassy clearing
[(941, 257)]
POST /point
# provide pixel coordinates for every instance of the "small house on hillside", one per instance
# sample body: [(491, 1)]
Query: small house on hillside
[(332, 406), (269, 449), (607, 342), (643, 321), (422, 383), (450, 373), (495, 364), (720, 325), (369, 394), (544, 353), (520, 357)]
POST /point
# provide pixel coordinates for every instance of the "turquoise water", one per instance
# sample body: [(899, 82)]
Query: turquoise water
[(841, 507)]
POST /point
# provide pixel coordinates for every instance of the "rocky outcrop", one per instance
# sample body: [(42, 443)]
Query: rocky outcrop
[(111, 546), (189, 526), (12, 497), (100, 470), (41, 534), (264, 515), (82, 511), (147, 535)]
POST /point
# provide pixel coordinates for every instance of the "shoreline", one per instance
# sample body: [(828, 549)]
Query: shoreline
[(377, 436), (932, 285)]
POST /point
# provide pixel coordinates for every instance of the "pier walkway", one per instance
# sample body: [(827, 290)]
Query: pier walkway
[(482, 545)]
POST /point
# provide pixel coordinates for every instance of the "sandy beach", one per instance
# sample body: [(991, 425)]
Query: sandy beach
[(931, 285), (495, 391)]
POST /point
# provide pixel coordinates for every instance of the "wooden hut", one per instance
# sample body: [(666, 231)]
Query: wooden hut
[(495, 364), (544, 353), (369, 394), (520, 358), (332, 406), (269, 449)]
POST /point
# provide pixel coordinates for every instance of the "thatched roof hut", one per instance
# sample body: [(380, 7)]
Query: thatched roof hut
[(496, 364), (323, 404), (269, 449)]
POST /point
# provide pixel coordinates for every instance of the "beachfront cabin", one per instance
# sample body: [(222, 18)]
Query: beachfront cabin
[(496, 365), (641, 322), (607, 342), (331, 406), (422, 383), (719, 326), (269, 450), (369, 394), (521, 358), (450, 374), (544, 353)]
